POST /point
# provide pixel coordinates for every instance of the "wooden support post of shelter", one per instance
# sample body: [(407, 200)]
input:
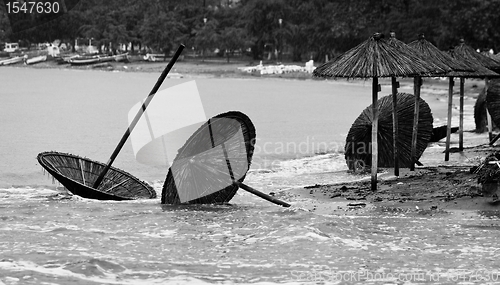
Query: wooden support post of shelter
[(488, 116), (461, 122), (448, 128), (417, 83), (395, 86), (374, 148)]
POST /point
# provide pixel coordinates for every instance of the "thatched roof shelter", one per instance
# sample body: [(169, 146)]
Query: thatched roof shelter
[(477, 62), (479, 70), (376, 58), (438, 57), (440, 68), (456, 68), (467, 52)]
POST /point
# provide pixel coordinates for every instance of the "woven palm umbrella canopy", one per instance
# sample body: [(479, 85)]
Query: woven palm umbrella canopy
[(483, 67), (374, 58), (358, 138), (445, 61), (212, 164), (77, 174)]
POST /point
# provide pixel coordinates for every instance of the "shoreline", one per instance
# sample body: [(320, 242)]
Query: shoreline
[(438, 188)]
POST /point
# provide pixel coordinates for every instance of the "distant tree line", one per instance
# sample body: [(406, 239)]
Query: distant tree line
[(308, 29)]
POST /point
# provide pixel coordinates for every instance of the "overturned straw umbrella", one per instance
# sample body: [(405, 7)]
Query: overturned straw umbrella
[(359, 135), (483, 67), (493, 104), (445, 61), (374, 58), (212, 164), (77, 174)]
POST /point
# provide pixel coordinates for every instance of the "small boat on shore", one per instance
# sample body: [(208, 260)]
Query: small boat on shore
[(83, 60), (63, 59), (87, 60), (13, 60), (36, 59)]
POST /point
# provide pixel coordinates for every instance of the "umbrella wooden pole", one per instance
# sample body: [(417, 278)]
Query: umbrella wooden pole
[(262, 195), (488, 116), (448, 128), (374, 148), (417, 82), (139, 114), (490, 125), (492, 142), (395, 86), (461, 122), (239, 184)]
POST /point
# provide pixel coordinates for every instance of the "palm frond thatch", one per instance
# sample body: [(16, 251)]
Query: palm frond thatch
[(467, 52), (438, 57), (479, 71), (78, 174), (375, 57), (357, 150), (409, 49), (200, 165), (493, 100)]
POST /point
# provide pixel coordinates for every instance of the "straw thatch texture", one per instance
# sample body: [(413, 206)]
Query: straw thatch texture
[(479, 71), (469, 53), (401, 46), (375, 57), (493, 100), (358, 150), (77, 174), (442, 59), (200, 165)]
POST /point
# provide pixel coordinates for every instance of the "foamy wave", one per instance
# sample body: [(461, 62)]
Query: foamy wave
[(108, 273), (27, 192)]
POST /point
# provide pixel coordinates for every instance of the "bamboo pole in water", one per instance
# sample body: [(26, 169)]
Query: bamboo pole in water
[(138, 115), (448, 128), (395, 86), (417, 82), (374, 147)]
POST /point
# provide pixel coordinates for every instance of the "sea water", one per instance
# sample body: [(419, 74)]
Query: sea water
[(50, 237)]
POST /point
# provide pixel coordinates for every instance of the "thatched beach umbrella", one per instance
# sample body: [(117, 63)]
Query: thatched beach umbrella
[(467, 52), (212, 164), (359, 134), (374, 58), (482, 68), (445, 61), (440, 68)]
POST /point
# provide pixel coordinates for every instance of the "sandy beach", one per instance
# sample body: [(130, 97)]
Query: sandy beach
[(436, 188)]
